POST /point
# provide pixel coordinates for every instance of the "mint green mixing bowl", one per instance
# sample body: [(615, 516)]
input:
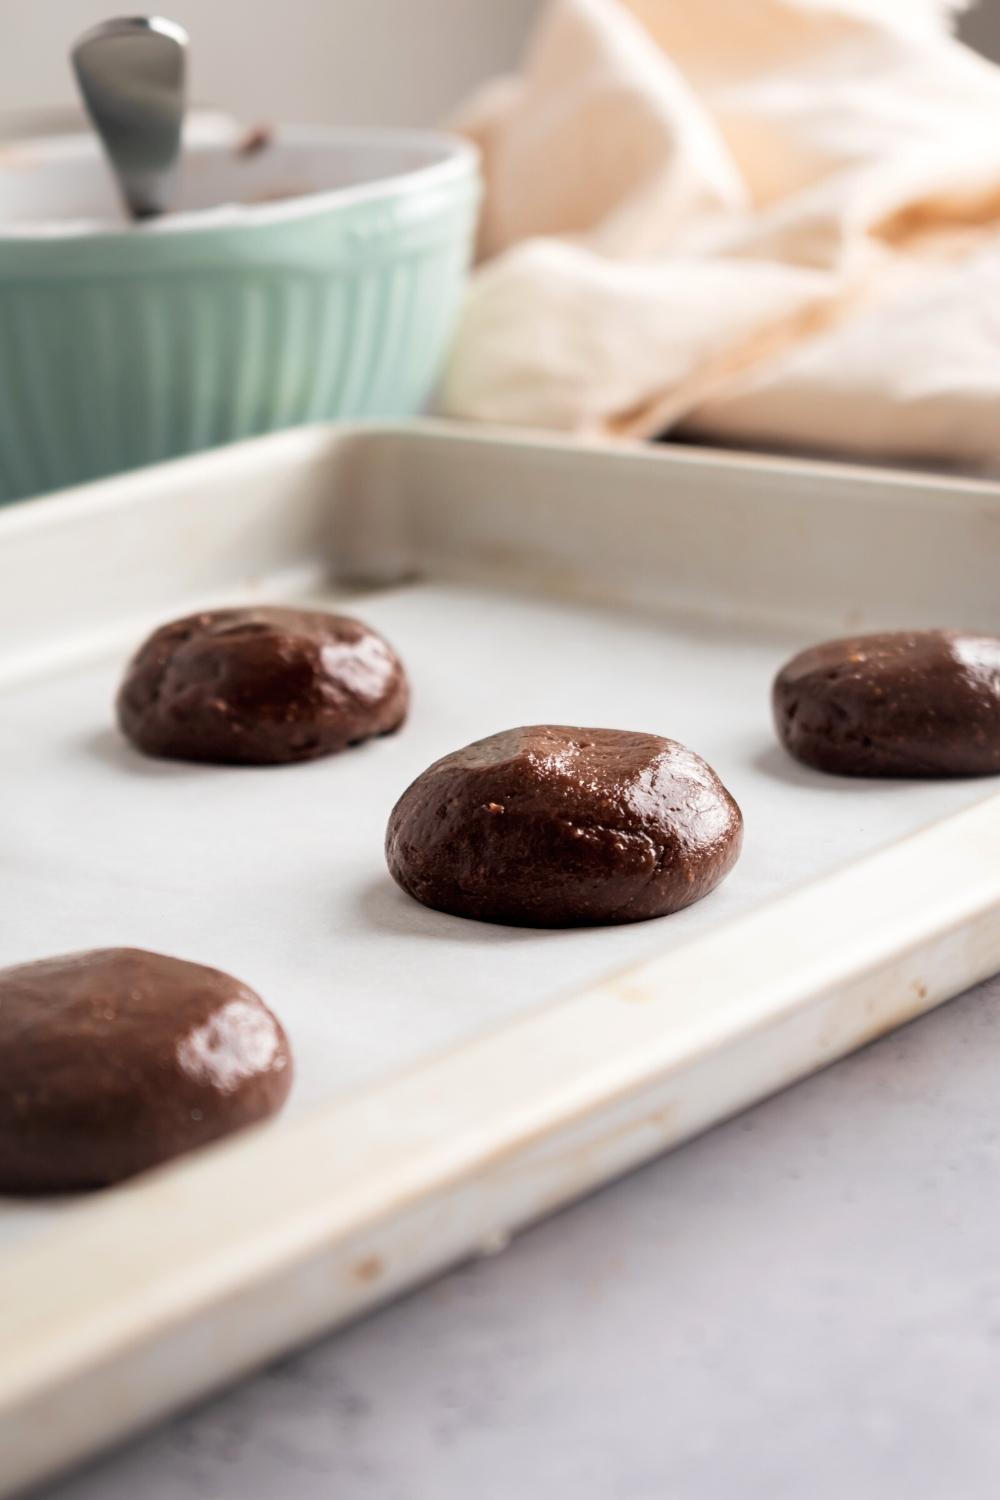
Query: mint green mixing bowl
[(316, 277)]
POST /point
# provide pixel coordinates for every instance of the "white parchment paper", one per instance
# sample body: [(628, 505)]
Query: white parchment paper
[(278, 874)]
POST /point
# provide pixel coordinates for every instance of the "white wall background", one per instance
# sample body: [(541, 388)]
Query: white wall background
[(360, 61), (366, 61)]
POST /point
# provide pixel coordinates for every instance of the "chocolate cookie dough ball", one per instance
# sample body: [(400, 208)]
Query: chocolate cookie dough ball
[(909, 703), (557, 827), (115, 1060), (261, 687)]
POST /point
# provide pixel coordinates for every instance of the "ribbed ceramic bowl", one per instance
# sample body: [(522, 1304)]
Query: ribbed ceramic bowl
[(316, 276)]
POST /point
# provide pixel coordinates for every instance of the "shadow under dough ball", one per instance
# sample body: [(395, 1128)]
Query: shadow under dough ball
[(551, 826), (921, 703), (115, 1060), (261, 686)]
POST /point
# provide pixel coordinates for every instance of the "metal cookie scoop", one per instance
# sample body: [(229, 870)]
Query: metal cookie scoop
[(131, 75)]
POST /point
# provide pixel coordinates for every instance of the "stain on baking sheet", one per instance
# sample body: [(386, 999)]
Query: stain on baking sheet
[(633, 992), (369, 1269), (861, 1019)]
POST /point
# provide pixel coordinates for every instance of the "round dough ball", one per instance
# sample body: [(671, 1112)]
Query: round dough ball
[(261, 687), (558, 827), (909, 703), (115, 1060)]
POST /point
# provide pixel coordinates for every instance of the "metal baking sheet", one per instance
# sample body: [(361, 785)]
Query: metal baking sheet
[(522, 582)]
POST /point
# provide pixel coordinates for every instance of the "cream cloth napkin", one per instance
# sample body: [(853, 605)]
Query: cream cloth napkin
[(771, 220)]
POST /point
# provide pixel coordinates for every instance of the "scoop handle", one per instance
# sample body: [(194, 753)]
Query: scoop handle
[(132, 74)]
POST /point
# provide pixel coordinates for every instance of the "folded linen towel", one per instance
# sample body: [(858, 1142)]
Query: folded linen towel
[(768, 221)]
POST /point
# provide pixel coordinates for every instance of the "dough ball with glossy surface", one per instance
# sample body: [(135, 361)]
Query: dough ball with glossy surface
[(114, 1060), (552, 826), (262, 686), (920, 703)]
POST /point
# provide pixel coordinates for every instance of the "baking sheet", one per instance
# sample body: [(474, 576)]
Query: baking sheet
[(502, 1073), (277, 874)]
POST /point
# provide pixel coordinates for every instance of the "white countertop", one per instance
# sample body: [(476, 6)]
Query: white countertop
[(803, 1304)]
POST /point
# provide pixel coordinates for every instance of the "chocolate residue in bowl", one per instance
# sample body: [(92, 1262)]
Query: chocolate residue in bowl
[(256, 139)]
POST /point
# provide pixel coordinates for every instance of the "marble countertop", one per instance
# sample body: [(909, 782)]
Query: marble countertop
[(803, 1304)]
